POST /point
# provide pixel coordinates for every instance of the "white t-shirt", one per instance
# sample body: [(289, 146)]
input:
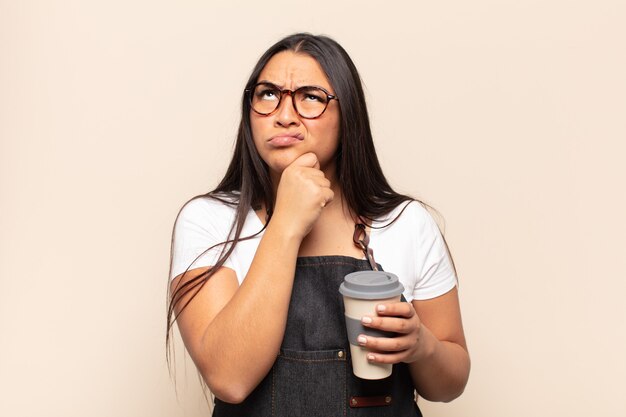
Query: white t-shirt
[(411, 247)]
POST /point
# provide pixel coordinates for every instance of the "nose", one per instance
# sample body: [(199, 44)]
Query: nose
[(286, 114)]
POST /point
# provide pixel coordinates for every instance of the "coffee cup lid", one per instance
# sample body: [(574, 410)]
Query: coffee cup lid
[(371, 285)]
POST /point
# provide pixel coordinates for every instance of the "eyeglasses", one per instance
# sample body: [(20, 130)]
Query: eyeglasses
[(309, 102)]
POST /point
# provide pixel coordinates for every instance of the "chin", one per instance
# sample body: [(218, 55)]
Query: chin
[(279, 166), (278, 163)]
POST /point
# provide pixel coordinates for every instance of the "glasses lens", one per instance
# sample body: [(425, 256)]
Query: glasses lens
[(265, 98), (310, 101)]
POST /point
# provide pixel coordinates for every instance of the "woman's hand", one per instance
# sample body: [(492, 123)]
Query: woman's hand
[(302, 193), (413, 341)]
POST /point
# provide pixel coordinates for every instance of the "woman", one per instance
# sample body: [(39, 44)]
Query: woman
[(259, 311)]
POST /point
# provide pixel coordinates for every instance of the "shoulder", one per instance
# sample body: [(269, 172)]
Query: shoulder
[(413, 248), (405, 230), (409, 216), (208, 207), (206, 214), (201, 227)]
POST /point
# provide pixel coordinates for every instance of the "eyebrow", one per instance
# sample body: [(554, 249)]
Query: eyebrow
[(282, 87)]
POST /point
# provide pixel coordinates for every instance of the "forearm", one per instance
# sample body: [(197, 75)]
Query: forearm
[(442, 373), (241, 343)]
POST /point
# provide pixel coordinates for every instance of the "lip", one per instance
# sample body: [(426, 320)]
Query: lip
[(285, 139)]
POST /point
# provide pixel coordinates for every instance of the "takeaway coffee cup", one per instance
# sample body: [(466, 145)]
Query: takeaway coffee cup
[(362, 291)]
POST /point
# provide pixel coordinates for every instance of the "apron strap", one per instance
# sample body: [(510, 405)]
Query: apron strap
[(362, 240)]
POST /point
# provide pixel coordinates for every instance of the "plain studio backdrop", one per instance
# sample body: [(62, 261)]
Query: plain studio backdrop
[(507, 116)]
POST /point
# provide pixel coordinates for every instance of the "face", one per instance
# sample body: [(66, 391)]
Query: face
[(283, 136)]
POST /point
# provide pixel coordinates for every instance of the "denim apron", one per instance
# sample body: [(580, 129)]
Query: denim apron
[(312, 375)]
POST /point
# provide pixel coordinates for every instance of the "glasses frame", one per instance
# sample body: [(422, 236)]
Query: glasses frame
[(283, 92)]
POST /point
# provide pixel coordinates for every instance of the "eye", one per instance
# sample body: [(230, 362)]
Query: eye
[(313, 95), (266, 93)]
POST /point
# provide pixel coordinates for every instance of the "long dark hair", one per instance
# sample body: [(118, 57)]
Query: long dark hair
[(247, 181)]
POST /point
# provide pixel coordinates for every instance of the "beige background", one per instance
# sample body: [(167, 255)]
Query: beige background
[(508, 116)]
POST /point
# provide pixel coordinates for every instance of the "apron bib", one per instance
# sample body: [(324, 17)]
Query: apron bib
[(312, 375)]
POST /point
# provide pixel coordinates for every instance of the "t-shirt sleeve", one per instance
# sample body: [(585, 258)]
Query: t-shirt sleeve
[(435, 273), (202, 225)]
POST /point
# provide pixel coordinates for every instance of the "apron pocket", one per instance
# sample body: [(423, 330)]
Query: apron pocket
[(389, 397), (309, 383)]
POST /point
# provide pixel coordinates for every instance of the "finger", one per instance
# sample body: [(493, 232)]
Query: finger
[(313, 172), (401, 309), (397, 357), (386, 344), (391, 324), (327, 200), (322, 182), (308, 159), (329, 195)]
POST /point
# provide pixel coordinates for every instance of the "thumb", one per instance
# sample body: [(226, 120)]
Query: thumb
[(308, 159)]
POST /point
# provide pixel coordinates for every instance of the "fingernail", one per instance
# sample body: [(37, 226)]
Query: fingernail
[(371, 357), (380, 308), (366, 320), (362, 340)]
